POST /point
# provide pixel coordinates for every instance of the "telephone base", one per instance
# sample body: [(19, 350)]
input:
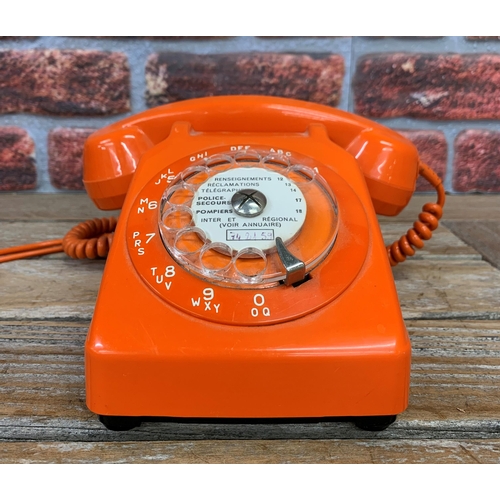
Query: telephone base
[(172, 338)]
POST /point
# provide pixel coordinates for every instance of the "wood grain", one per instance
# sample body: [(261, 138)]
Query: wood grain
[(430, 285), (447, 289), (444, 244), (483, 235), (466, 207), (263, 452), (13, 233), (43, 288), (48, 207)]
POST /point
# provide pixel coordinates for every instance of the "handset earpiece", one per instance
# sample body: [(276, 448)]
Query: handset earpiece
[(390, 168), (111, 160)]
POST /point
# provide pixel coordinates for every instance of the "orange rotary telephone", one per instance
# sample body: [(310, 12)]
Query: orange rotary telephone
[(248, 277)]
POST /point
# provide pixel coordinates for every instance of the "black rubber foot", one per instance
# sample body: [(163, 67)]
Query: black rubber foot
[(375, 423), (119, 423)]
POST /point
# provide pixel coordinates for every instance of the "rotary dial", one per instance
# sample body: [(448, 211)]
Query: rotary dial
[(246, 219)]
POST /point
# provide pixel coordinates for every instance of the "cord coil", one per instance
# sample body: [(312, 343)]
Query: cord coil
[(90, 239), (428, 221)]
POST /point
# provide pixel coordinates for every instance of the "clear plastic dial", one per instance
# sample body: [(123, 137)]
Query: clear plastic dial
[(220, 218)]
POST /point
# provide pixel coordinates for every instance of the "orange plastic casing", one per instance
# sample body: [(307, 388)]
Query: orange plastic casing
[(334, 346)]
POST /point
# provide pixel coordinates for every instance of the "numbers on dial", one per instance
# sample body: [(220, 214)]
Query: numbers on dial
[(260, 309), (206, 301)]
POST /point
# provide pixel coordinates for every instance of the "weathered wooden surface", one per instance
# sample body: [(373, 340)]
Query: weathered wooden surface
[(471, 207), (484, 235), (431, 284), (263, 452), (48, 207), (450, 297), (455, 390)]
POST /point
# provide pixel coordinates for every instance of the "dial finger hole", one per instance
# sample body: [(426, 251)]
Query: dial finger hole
[(189, 241), (177, 218), (277, 159), (250, 264), (300, 174), (181, 194), (195, 175), (248, 155), (224, 161), (216, 258)]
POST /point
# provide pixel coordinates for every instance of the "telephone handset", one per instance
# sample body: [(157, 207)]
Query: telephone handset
[(247, 275), (389, 162)]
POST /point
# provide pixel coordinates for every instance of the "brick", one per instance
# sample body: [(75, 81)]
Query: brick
[(433, 150), (17, 160), (157, 37), (300, 36), (17, 37), (476, 165), (435, 86), (65, 146), (177, 76), (482, 38), (402, 37), (64, 82)]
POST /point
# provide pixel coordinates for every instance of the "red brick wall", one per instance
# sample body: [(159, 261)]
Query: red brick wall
[(55, 91)]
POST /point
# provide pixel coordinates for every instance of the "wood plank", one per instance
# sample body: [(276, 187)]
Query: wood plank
[(49, 288), (433, 288), (59, 212), (14, 233), (443, 244), (260, 451), (447, 289), (430, 284), (483, 235), (455, 370), (41, 207), (457, 207), (455, 391), (77, 207)]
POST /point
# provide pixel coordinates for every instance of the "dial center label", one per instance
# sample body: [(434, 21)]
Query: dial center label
[(283, 215)]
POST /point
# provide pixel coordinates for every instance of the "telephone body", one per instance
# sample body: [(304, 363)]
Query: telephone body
[(207, 309)]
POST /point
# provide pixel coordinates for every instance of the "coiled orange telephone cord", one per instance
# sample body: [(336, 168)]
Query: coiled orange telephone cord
[(428, 221), (87, 240), (93, 238)]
